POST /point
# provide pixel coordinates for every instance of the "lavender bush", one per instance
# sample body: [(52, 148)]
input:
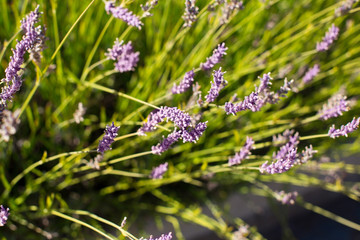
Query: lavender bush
[(194, 101)]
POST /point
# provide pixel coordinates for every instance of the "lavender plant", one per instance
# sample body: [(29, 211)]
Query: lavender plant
[(175, 153)]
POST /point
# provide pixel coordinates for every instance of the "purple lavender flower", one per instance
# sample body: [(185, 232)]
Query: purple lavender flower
[(243, 154), (291, 144), (329, 38), (286, 198), (4, 214), (345, 7), (216, 57), (124, 55), (148, 7), (311, 73), (159, 171), (166, 143), (335, 106), (9, 124), (281, 165), (191, 11), (180, 119), (306, 155), (30, 41), (283, 138), (265, 83), (154, 118), (285, 158), (185, 84), (261, 96), (108, 139), (123, 13), (218, 84), (194, 134), (344, 130), (229, 8), (162, 237)]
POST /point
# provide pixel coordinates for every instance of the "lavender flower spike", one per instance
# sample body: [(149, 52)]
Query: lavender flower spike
[(243, 154), (329, 38), (124, 55), (311, 73), (108, 139), (218, 84), (344, 130), (191, 10), (30, 41), (185, 84), (335, 106), (4, 214), (166, 143), (195, 134), (159, 171), (162, 237), (123, 13), (286, 198), (216, 57)]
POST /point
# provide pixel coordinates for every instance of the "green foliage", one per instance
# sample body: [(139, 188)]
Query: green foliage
[(44, 173)]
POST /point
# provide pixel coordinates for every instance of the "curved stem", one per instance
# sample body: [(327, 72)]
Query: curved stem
[(59, 214)]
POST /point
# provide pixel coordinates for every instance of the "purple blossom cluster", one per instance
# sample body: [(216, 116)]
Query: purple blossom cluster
[(166, 143), (4, 214), (191, 11), (185, 84), (335, 107), (344, 130), (329, 38), (187, 131), (306, 155), (123, 13), (287, 156), (261, 96), (108, 139), (229, 8), (218, 84), (159, 171), (286, 198), (243, 154), (180, 118), (33, 37), (215, 58), (282, 138), (162, 237), (148, 7), (345, 7), (194, 134), (124, 55), (311, 73)]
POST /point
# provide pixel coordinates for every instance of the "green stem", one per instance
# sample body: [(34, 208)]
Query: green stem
[(67, 35), (328, 214), (109, 90), (93, 50), (59, 214)]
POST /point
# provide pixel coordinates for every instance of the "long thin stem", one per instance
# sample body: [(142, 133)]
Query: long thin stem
[(59, 214), (109, 90), (67, 35)]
